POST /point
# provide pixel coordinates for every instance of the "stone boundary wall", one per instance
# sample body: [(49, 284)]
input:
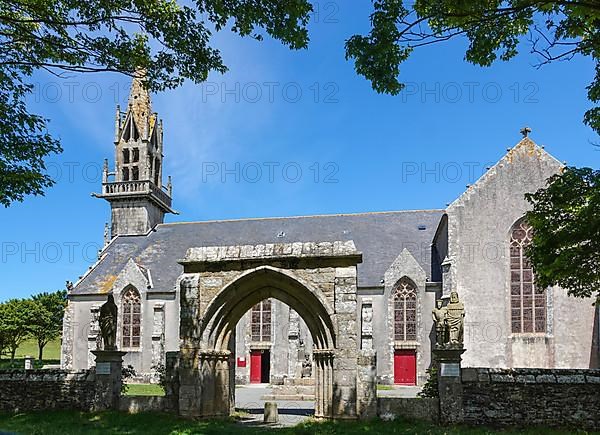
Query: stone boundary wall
[(409, 408), (532, 397), (135, 404), (33, 390)]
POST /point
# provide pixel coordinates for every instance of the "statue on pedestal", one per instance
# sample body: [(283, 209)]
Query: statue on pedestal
[(455, 319), (439, 315), (307, 367), (108, 323)]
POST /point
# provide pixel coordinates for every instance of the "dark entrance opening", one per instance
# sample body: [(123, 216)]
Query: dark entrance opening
[(265, 369)]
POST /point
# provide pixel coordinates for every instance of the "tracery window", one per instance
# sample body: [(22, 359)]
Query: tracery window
[(132, 309), (261, 321), (528, 306), (405, 310)]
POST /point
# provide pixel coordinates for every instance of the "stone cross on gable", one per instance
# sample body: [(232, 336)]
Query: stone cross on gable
[(525, 131)]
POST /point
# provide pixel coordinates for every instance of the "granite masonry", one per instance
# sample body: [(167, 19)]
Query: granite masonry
[(317, 280), (36, 390), (328, 291), (531, 397)]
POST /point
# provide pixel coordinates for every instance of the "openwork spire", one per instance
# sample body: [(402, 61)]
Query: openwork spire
[(140, 103)]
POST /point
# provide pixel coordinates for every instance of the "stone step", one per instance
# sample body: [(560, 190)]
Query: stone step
[(294, 390), (299, 381), (289, 397)]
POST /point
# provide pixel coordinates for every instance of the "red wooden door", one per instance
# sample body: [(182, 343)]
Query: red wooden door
[(405, 367), (255, 366)]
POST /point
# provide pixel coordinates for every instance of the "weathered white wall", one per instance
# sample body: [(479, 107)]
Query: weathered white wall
[(479, 224)]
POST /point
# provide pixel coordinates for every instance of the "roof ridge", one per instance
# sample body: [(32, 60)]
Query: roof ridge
[(304, 216)]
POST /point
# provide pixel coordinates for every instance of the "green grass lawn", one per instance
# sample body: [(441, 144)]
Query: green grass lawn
[(29, 347), (107, 423), (144, 390), (383, 387)]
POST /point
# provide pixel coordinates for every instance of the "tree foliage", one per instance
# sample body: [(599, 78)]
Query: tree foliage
[(565, 250), (172, 42), (557, 30), (39, 317), (169, 41), (47, 321), (16, 317)]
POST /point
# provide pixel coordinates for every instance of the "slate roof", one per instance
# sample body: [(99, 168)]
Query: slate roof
[(380, 236)]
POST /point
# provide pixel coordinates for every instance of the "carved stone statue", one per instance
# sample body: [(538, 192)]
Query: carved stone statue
[(301, 351), (307, 367), (108, 323), (455, 319), (439, 315)]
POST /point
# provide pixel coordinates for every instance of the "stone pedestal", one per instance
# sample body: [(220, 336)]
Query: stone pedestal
[(271, 413), (366, 385), (172, 380), (204, 384), (28, 362), (109, 365), (449, 383)]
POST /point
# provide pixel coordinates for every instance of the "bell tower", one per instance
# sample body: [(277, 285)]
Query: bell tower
[(137, 197)]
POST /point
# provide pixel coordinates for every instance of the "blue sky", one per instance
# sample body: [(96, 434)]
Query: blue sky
[(293, 133)]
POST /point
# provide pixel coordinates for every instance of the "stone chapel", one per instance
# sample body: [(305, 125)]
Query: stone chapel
[(407, 259)]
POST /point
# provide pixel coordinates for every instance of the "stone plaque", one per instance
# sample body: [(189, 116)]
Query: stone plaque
[(103, 368), (450, 369)]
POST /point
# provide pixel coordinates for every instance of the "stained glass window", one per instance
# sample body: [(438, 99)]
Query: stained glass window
[(132, 309), (405, 311), (527, 305), (260, 324)]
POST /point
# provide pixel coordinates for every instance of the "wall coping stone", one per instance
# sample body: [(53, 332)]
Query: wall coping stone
[(213, 254)]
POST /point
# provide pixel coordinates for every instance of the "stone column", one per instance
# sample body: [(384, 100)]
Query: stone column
[(347, 344), (367, 324), (190, 384), (214, 373), (366, 385), (172, 380), (450, 384), (158, 338), (294, 345), (447, 281), (318, 374), (204, 383), (94, 337), (323, 373), (109, 364), (68, 332)]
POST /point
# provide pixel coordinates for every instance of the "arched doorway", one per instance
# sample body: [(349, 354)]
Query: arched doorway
[(221, 284)]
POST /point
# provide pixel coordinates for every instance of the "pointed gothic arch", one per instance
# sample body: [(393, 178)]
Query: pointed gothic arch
[(131, 318), (405, 310), (227, 308)]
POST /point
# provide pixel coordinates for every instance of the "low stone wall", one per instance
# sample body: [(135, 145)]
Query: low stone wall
[(32, 390), (135, 404), (526, 397), (412, 408)]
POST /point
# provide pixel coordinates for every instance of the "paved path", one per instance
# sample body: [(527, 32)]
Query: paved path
[(249, 403), (248, 400)]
